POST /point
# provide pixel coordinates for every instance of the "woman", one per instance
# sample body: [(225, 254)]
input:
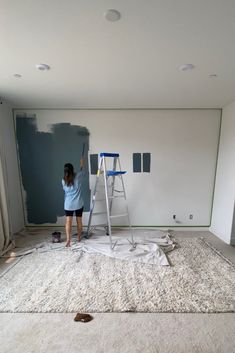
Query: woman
[(73, 202)]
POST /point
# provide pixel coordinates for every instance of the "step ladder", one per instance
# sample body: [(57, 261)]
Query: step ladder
[(110, 194)]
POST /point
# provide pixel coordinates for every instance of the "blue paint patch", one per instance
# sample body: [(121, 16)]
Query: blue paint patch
[(136, 162), (93, 163), (146, 162)]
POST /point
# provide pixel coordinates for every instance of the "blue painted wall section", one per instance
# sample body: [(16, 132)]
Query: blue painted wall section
[(94, 163), (42, 157)]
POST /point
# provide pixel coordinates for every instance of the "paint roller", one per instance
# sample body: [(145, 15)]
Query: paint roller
[(83, 152), (83, 132), (83, 149)]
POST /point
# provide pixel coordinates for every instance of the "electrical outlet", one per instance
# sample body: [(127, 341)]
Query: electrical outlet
[(191, 216)]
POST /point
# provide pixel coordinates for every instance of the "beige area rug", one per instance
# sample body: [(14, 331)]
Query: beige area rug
[(199, 280)]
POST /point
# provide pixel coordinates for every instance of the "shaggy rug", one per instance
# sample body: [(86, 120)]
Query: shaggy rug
[(199, 280)]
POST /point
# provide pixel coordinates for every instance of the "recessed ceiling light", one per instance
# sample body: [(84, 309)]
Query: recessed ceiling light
[(42, 67), (17, 75), (112, 15), (187, 67), (212, 75)]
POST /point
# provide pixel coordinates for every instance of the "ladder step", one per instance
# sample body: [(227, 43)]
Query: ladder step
[(119, 215), (98, 213), (104, 225), (105, 154), (115, 172), (102, 186), (117, 197), (110, 197)]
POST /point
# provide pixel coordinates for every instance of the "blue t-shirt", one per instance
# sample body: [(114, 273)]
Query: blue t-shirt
[(73, 193)]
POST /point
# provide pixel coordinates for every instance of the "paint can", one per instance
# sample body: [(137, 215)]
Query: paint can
[(56, 237)]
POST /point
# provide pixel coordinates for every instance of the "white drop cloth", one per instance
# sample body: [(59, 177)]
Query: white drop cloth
[(151, 246), (148, 249)]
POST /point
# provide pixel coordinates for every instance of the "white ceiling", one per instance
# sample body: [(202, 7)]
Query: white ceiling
[(132, 63)]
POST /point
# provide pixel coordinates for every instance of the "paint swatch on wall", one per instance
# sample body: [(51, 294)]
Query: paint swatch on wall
[(136, 162), (93, 163), (146, 162)]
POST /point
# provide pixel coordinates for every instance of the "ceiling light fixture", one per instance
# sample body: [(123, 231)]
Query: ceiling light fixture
[(42, 67), (112, 15), (17, 75), (187, 67)]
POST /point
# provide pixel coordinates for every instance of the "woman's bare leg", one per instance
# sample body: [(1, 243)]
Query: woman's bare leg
[(79, 227), (68, 228)]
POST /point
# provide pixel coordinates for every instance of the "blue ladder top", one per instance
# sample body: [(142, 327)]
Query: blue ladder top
[(104, 154), (115, 172)]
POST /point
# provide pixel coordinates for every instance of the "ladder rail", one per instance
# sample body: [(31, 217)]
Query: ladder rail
[(107, 204), (128, 217), (94, 194), (113, 182)]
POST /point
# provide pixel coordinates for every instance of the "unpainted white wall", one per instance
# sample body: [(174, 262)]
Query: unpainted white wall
[(183, 146), (11, 171), (223, 209)]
